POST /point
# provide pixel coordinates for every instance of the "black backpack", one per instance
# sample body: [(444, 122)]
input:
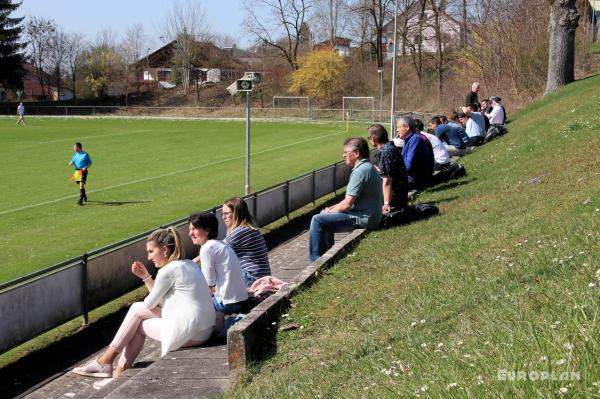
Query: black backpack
[(409, 214), (493, 132)]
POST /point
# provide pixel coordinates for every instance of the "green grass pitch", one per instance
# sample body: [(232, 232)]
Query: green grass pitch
[(145, 172)]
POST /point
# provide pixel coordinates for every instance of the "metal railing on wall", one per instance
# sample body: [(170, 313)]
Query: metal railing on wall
[(38, 302)]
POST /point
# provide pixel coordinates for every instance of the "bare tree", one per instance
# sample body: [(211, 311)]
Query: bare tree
[(224, 40), (405, 15), (279, 24), (133, 43), (330, 18), (416, 46), (564, 20), (378, 11), (437, 7), (464, 20), (39, 33), (483, 11), (186, 24), (57, 52), (359, 28), (74, 57), (132, 47)]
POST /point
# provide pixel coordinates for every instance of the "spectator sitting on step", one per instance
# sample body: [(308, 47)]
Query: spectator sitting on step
[(486, 106), (478, 117), (453, 120), (245, 240), (441, 157), (360, 208), (219, 264), (454, 137), (474, 131), (417, 154), (178, 310), (497, 116), (391, 169)]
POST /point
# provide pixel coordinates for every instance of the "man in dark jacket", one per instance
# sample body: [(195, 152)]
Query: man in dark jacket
[(417, 153), (472, 96)]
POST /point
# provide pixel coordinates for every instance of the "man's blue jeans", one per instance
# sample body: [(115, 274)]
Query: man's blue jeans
[(322, 228)]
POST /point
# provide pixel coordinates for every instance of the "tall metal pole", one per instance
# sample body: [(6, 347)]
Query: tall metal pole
[(380, 70), (393, 101), (247, 142)]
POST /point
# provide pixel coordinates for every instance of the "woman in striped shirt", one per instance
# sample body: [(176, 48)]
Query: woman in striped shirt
[(245, 239)]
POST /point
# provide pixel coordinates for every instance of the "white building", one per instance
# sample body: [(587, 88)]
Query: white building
[(340, 45), (413, 31)]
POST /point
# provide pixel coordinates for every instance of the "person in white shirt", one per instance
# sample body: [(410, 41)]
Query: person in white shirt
[(498, 114), (177, 311), (441, 156), (219, 263), (474, 131), (474, 113)]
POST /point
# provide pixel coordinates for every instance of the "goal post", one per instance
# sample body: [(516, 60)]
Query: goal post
[(358, 109), (291, 107)]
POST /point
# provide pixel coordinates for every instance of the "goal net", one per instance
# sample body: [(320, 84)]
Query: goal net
[(291, 107), (360, 109)]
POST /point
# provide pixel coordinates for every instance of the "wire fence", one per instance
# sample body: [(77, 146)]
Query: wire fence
[(277, 113)]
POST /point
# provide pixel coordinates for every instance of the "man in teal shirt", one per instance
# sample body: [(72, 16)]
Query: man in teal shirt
[(82, 161), (360, 208)]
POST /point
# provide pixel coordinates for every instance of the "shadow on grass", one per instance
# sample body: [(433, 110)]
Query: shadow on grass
[(115, 203), (447, 186)]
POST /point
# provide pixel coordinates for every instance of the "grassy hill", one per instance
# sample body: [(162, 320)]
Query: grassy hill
[(504, 280)]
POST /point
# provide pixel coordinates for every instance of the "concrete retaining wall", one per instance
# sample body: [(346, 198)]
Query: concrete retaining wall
[(245, 340)]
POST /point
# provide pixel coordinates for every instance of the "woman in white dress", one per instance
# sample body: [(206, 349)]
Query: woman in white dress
[(178, 311)]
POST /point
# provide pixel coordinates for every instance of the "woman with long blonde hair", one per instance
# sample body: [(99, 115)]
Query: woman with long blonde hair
[(178, 310)]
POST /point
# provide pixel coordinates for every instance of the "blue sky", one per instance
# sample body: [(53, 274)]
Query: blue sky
[(91, 17)]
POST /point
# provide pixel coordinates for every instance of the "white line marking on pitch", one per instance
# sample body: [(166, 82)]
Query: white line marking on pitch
[(93, 137), (167, 174)]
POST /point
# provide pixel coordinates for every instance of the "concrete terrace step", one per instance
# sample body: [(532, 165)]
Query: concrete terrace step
[(200, 372), (194, 372)]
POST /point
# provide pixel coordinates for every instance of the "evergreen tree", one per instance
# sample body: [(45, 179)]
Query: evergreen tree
[(11, 57)]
